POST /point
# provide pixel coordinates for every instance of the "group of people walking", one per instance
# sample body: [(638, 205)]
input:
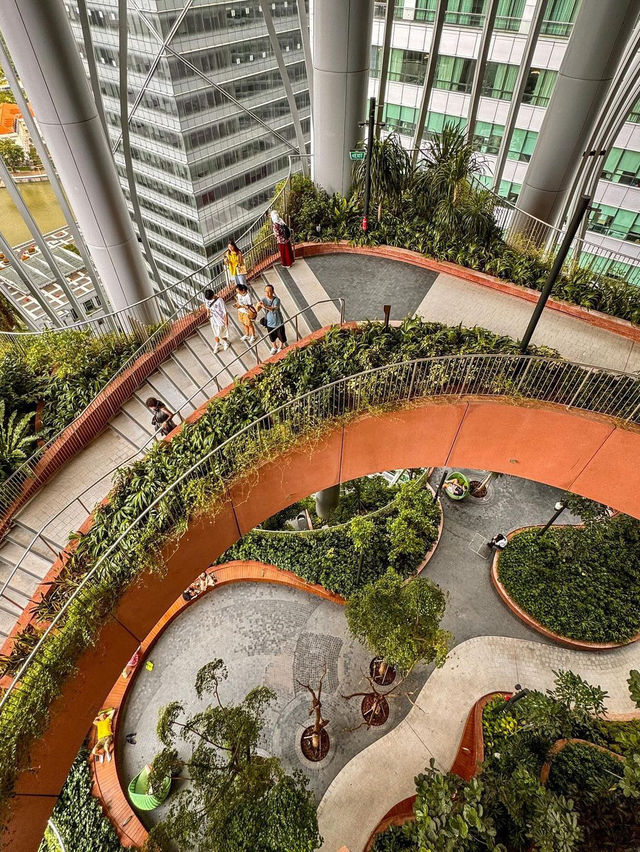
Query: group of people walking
[(270, 306)]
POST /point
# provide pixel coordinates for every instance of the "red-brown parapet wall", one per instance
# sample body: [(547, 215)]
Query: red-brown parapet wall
[(108, 786), (615, 325), (534, 624), (576, 451)]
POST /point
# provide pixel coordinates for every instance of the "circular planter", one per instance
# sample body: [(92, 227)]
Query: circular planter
[(385, 679), (374, 709), (477, 490), (534, 624), (311, 753)]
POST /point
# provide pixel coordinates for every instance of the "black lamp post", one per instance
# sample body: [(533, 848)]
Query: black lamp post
[(559, 509)]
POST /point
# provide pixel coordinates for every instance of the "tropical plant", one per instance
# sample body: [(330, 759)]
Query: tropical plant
[(400, 622), (15, 441), (581, 582), (391, 173), (237, 799)]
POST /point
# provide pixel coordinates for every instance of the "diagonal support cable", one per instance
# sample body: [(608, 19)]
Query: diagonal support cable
[(123, 32), (154, 65), (215, 85)]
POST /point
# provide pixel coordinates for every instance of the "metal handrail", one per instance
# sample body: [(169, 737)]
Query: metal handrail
[(538, 230), (39, 534), (12, 485), (155, 297), (569, 384)]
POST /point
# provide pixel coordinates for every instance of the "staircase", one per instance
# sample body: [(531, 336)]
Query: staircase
[(190, 376)]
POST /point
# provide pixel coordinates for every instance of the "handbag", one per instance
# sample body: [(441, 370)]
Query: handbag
[(263, 321), (251, 311)]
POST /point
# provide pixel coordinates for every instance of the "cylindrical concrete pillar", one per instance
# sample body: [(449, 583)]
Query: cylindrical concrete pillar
[(44, 52), (600, 33), (326, 501), (341, 53)]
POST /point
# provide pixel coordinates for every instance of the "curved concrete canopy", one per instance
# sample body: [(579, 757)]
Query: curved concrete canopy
[(585, 453)]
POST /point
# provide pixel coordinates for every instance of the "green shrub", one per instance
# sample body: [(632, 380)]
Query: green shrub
[(79, 817), (400, 535), (397, 839), (64, 370), (580, 582)]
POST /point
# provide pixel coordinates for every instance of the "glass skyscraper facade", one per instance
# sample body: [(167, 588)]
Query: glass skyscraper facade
[(205, 93)]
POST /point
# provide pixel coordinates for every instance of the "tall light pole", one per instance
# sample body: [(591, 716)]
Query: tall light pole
[(367, 176), (559, 509), (563, 251)]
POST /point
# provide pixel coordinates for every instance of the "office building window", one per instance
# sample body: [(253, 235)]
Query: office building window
[(622, 167), (400, 119), (559, 18), (470, 13), (522, 144), (614, 222), (454, 73), (634, 115), (487, 136), (499, 80), (405, 66), (539, 86)]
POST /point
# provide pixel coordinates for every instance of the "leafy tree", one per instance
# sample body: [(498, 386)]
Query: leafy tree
[(237, 800), (34, 157), (634, 686), (569, 709), (12, 154), (589, 511), (14, 440), (7, 98), (400, 622)]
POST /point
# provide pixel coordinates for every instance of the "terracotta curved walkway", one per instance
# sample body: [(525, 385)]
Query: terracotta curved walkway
[(356, 801)]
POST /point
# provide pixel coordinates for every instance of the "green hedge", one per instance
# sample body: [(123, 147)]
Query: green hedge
[(79, 817), (332, 557), (62, 369), (583, 583), (470, 242), (342, 352)]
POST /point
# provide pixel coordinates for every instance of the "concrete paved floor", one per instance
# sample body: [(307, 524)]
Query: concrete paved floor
[(277, 636)]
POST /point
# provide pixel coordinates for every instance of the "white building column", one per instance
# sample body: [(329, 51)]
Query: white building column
[(341, 52), (41, 44)]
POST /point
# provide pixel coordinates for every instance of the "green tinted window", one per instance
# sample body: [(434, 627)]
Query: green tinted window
[(499, 80), (622, 167), (559, 18), (400, 119), (539, 86), (408, 66), (454, 73)]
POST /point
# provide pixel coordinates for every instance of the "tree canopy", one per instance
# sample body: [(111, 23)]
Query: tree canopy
[(399, 621), (237, 800)]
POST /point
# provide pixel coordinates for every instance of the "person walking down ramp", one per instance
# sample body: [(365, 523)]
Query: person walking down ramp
[(218, 319)]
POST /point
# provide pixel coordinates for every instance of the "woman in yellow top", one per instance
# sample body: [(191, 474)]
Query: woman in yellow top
[(234, 262)]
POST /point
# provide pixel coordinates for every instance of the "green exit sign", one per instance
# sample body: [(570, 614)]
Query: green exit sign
[(357, 155)]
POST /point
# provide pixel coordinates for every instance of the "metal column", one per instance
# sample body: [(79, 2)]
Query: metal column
[(518, 94), (434, 49), (598, 41), (384, 68), (341, 54), (286, 83), (481, 64), (42, 46), (303, 18), (61, 198)]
